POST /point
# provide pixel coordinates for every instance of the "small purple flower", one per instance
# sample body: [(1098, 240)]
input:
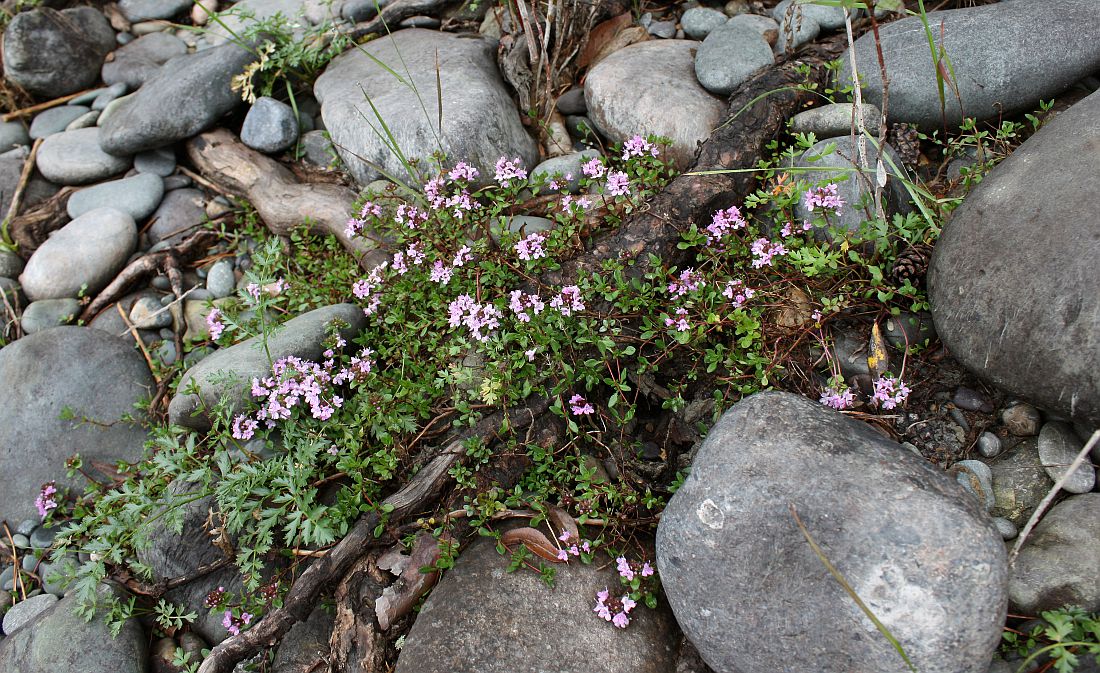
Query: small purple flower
[(463, 171), (410, 216), (568, 300), (825, 198), (614, 610), (638, 146), (462, 256), (441, 274), (244, 428), (618, 184), (593, 168), (837, 396), (680, 322), (530, 248), (688, 281), (764, 250), (580, 406), (738, 293), (723, 222), (45, 501), (647, 570), (214, 324), (506, 171), (623, 566), (890, 391)]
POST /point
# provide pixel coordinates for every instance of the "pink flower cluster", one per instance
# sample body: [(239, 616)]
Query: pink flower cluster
[(355, 225), (476, 317), (580, 406), (680, 322), (618, 184), (614, 610), (568, 300), (214, 323), (890, 391), (629, 569), (410, 216), (463, 171), (738, 293), (234, 624), (593, 168), (531, 248), (367, 288), (723, 222), (764, 250), (689, 281), (825, 198), (639, 146), (573, 549), (45, 501), (788, 228), (570, 204), (274, 289), (506, 171), (520, 303), (837, 395)]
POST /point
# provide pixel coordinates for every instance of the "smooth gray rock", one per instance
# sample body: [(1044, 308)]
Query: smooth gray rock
[(841, 166), (111, 322), (976, 477), (46, 313), (460, 627), (572, 102), (221, 281), (480, 121), (1022, 419), (1019, 482), (269, 126), (84, 255), (1060, 562), (1058, 447), (317, 149), (729, 56), (160, 162), (650, 88), (989, 445), (86, 120), (54, 120), (37, 191), (60, 641), (53, 54), (305, 644), (662, 29), (188, 95), (429, 22), (909, 330), (567, 164), (113, 93), (75, 158), (25, 611), (300, 337), (138, 61), (136, 11), (181, 211), (699, 21), (148, 313), (1006, 58), (13, 134), (361, 10), (94, 374), (833, 120), (744, 583), (795, 30), (988, 265), (137, 196), (11, 264), (829, 18), (1006, 528)]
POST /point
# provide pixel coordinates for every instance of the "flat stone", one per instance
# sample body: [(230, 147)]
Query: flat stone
[(829, 18), (221, 281), (145, 10), (94, 374), (13, 134), (113, 92), (188, 95), (161, 162), (744, 583), (650, 88), (1058, 447), (52, 54), (61, 641), (1060, 561), (699, 21), (979, 275), (480, 123), (46, 313), (1019, 482), (269, 126), (84, 121), (25, 611), (1005, 56), (54, 120), (567, 164), (429, 22), (148, 313), (75, 158), (82, 256), (729, 56), (137, 196), (460, 627), (976, 477), (833, 120), (795, 30), (179, 214), (300, 337)]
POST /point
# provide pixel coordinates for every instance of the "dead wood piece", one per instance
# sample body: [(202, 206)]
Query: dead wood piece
[(35, 109), (396, 12), (31, 229), (24, 178), (356, 644), (282, 201)]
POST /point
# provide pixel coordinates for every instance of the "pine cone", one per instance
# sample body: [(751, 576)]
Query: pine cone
[(912, 265), (906, 142)]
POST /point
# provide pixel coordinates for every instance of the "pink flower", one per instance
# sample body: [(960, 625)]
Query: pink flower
[(531, 247), (832, 396), (580, 406), (593, 168), (618, 184), (638, 146), (243, 427), (614, 610), (647, 570), (214, 324), (45, 501), (462, 256), (689, 281), (253, 291), (890, 391), (234, 624), (764, 250), (506, 171), (623, 566), (823, 197), (565, 535), (433, 190), (680, 322), (410, 216), (474, 316), (463, 171), (568, 300), (520, 303), (530, 354), (736, 291), (441, 274), (723, 222)]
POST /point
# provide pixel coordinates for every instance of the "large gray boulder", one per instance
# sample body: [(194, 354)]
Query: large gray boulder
[(187, 96), (141, 59), (480, 123), (60, 641), (52, 54), (1021, 310), (1006, 56), (229, 372), (83, 256), (650, 88), (482, 619), (745, 584), (1059, 563), (98, 377)]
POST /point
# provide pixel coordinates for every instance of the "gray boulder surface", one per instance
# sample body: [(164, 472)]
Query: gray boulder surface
[(53, 54), (84, 255), (1060, 561), (998, 303), (141, 59), (745, 584), (480, 123)]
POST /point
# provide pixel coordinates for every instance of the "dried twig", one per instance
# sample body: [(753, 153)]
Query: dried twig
[(137, 339), (20, 189), (35, 109)]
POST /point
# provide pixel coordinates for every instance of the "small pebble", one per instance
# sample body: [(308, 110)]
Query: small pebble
[(167, 334), (43, 537), (176, 182), (662, 29), (148, 313), (167, 352), (1022, 420), (29, 562), (161, 283), (220, 280), (1006, 528), (20, 541), (989, 445), (420, 22), (958, 417), (972, 400), (26, 526), (161, 161), (572, 102), (976, 477)]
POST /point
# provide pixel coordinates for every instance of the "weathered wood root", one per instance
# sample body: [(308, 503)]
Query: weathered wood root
[(282, 202), (396, 12), (31, 229)]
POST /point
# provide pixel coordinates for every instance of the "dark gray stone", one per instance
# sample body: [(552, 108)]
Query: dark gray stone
[(146, 10), (480, 121), (75, 158), (744, 583), (361, 10), (460, 628), (1006, 58), (909, 330), (662, 29), (111, 322), (795, 30), (137, 196), (220, 280), (972, 400), (181, 211), (1019, 482), (1006, 528), (269, 126), (1058, 447), (188, 95), (61, 641), (54, 120), (300, 337), (11, 264), (650, 88), (572, 102), (989, 265), (148, 313), (53, 54), (317, 149), (1060, 562), (161, 162), (84, 255), (989, 445), (729, 56), (141, 59), (305, 644), (829, 18), (96, 375), (699, 21), (37, 191), (25, 611), (46, 313), (833, 120), (13, 134)]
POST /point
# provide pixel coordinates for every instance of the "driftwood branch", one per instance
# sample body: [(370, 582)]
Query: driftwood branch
[(282, 202), (32, 228), (396, 12)]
